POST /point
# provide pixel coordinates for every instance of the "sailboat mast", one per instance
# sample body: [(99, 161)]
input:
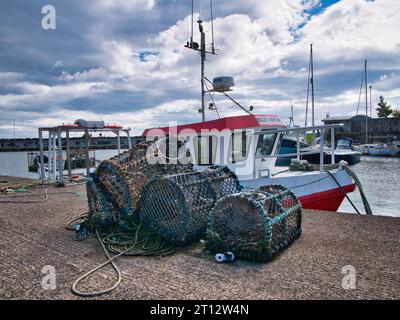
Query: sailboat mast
[(312, 85), (366, 101), (370, 100)]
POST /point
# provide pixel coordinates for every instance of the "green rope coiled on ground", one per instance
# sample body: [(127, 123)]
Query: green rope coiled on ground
[(134, 240)]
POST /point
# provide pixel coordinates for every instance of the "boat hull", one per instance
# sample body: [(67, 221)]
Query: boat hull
[(349, 158), (329, 200), (315, 190)]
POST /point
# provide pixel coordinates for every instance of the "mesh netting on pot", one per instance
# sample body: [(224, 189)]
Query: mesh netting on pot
[(101, 211), (177, 206), (255, 225)]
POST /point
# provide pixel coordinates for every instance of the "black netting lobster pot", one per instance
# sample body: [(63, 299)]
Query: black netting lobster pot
[(255, 225), (177, 206)]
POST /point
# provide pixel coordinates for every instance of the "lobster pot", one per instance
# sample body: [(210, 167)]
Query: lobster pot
[(101, 211), (123, 176), (254, 225), (284, 201), (177, 206)]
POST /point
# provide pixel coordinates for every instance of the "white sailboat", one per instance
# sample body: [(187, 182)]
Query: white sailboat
[(374, 149)]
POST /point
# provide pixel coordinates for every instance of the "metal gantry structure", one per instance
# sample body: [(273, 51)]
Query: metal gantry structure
[(55, 149)]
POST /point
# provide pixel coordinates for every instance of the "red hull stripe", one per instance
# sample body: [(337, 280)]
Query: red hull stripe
[(329, 200), (228, 123)]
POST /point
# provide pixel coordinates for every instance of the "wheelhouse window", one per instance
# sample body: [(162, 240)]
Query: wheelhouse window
[(239, 145), (205, 148), (265, 144)]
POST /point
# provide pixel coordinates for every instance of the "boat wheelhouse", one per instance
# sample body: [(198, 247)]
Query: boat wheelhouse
[(249, 146)]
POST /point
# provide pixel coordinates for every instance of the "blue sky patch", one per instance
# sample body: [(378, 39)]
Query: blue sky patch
[(144, 54)]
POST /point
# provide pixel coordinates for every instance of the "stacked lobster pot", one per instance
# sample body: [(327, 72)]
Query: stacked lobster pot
[(123, 176), (181, 205), (255, 225), (177, 206)]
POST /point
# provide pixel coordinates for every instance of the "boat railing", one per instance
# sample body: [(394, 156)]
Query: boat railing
[(299, 131)]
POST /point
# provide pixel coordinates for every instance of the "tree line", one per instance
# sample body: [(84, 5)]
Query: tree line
[(384, 109)]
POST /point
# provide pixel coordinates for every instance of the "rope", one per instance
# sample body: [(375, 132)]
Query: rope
[(360, 188), (71, 223), (45, 193), (110, 260), (144, 243), (342, 190)]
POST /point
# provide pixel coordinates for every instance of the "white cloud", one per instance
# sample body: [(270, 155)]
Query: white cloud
[(263, 44)]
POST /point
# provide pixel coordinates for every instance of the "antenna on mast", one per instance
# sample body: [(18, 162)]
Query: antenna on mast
[(212, 28), (291, 118), (191, 34), (202, 50)]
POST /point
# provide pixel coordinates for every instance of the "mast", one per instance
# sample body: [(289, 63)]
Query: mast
[(203, 59), (191, 34), (203, 52), (308, 94), (291, 118), (370, 100), (312, 84), (366, 101)]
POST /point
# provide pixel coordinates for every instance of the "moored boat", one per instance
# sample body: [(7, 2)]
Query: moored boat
[(249, 146), (378, 149), (345, 151)]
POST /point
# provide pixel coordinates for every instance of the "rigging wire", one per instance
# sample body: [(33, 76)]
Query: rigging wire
[(361, 87)]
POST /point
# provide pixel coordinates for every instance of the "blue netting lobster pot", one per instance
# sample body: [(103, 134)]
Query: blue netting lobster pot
[(255, 225), (177, 206), (101, 211)]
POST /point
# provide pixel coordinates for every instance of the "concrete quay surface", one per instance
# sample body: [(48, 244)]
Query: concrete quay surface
[(33, 235)]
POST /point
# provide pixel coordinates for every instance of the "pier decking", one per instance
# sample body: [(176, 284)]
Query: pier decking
[(34, 235)]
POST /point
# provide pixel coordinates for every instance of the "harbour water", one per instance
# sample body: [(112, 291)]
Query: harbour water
[(380, 178)]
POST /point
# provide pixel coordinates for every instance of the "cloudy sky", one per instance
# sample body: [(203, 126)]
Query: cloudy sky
[(123, 61)]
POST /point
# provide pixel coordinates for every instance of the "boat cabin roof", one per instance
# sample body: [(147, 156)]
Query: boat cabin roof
[(227, 123)]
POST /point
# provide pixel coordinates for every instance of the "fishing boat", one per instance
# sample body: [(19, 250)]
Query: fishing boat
[(249, 144)]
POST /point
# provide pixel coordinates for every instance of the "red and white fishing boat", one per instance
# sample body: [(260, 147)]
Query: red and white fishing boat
[(249, 145)]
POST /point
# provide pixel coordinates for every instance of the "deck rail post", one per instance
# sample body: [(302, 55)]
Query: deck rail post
[(118, 144), (87, 152), (60, 159), (49, 162), (54, 150), (68, 155), (129, 138), (41, 156), (332, 145), (321, 150)]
